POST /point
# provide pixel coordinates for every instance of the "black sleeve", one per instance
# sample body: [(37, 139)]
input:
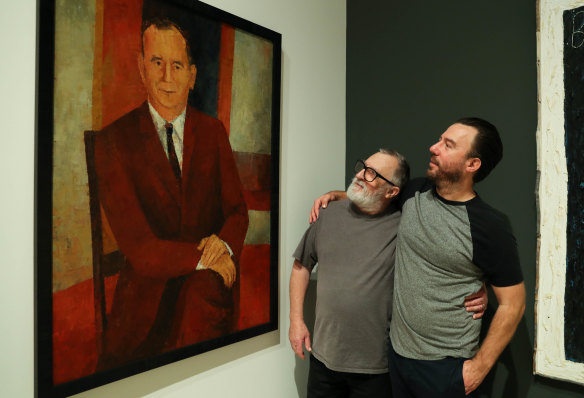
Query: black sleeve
[(494, 245)]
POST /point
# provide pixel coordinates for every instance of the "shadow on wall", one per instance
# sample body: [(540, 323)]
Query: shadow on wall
[(301, 367)]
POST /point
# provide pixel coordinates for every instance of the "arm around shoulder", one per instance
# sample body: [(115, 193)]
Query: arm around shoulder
[(322, 201)]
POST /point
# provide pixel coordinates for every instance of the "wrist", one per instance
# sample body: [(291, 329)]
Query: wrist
[(481, 363), (296, 318)]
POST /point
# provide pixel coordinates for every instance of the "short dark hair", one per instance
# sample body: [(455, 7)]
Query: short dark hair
[(487, 146), (166, 24), (402, 174)]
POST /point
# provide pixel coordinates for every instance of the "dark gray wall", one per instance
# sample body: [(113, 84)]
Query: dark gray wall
[(414, 67)]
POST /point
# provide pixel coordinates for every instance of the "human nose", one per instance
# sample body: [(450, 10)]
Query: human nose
[(434, 148), (360, 174), (167, 75)]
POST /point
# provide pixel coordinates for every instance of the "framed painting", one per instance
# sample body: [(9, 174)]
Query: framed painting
[(559, 347), (157, 186)]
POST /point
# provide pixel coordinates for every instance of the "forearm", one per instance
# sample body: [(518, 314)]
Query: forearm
[(148, 253), (507, 317), (500, 333), (299, 280), (234, 230), (339, 195)]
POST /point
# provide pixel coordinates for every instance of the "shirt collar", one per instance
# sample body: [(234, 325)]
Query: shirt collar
[(178, 124)]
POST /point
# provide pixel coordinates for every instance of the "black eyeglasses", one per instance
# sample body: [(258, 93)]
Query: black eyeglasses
[(370, 174)]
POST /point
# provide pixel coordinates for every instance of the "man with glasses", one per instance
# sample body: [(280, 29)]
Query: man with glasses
[(449, 242), (354, 245)]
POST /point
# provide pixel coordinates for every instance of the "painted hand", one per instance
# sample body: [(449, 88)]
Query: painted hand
[(212, 248), (225, 267)]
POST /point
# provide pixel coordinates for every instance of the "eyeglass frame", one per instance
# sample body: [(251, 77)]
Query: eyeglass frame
[(360, 163)]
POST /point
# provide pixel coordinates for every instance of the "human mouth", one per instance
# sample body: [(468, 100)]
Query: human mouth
[(166, 91)]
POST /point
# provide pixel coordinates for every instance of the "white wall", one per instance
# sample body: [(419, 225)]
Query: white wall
[(312, 161)]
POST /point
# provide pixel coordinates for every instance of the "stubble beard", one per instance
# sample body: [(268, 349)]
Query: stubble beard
[(440, 176)]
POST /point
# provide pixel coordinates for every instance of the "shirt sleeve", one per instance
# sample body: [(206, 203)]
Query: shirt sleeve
[(494, 246), (305, 253)]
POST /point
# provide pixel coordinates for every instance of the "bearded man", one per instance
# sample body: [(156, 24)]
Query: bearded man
[(353, 242)]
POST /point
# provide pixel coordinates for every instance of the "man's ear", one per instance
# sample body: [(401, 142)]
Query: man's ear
[(193, 70), (392, 192), (473, 164)]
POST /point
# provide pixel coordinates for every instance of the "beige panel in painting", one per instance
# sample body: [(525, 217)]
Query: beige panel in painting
[(74, 45), (251, 100), (258, 232)]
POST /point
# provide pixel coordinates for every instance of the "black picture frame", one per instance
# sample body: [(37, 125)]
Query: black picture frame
[(45, 385)]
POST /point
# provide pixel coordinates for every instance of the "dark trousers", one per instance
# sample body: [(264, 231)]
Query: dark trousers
[(414, 378), (326, 383)]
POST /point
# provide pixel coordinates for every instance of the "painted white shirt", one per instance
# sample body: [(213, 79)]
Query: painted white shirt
[(178, 127)]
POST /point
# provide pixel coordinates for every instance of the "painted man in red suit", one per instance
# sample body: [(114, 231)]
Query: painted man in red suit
[(170, 189)]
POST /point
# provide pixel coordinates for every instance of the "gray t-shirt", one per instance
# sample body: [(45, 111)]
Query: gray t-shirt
[(445, 250), (355, 255)]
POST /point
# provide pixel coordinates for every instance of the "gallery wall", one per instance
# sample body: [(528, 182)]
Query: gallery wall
[(312, 160), (411, 72)]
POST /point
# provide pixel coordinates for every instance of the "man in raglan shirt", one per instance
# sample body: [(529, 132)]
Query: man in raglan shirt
[(449, 242)]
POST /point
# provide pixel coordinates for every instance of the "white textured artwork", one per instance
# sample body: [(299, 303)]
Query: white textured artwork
[(559, 348)]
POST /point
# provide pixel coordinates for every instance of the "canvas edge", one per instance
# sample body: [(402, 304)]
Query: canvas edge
[(549, 357)]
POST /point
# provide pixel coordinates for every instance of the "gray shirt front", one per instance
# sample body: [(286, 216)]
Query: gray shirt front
[(445, 250), (355, 254)]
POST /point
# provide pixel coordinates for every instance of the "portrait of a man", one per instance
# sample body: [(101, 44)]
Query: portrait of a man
[(170, 189), (164, 187)]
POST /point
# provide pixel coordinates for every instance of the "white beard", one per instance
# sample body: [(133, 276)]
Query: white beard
[(365, 199)]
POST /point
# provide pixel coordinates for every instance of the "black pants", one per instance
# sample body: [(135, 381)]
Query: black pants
[(414, 378), (326, 383)]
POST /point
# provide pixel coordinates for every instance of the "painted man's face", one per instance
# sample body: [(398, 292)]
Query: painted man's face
[(166, 71)]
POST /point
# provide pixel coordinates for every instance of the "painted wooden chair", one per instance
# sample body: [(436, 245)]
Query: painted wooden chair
[(104, 264)]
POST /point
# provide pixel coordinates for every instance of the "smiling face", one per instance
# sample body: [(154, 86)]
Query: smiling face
[(166, 71), (449, 158)]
